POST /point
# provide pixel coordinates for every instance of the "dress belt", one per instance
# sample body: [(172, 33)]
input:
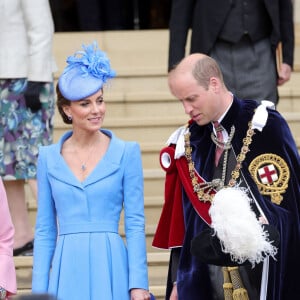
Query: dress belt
[(88, 227)]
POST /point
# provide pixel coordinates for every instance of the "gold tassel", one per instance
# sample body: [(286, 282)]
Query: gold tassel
[(239, 291), (227, 286), (240, 294), (228, 291)]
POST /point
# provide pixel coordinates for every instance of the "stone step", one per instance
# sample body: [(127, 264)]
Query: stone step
[(132, 52), (129, 51), (157, 270)]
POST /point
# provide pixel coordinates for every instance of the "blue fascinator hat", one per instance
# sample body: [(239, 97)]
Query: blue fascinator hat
[(86, 73)]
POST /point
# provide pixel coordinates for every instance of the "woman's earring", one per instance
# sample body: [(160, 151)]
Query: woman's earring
[(70, 118)]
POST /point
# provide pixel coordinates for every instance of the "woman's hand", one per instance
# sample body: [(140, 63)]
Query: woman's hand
[(139, 294)]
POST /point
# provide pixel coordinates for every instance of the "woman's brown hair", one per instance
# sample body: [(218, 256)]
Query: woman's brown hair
[(61, 102)]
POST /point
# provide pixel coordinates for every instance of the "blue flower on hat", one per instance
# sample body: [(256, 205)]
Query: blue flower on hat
[(86, 72), (92, 61)]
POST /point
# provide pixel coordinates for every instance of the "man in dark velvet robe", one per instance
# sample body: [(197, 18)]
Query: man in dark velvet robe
[(198, 83)]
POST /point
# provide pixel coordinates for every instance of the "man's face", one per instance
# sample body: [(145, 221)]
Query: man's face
[(202, 105)]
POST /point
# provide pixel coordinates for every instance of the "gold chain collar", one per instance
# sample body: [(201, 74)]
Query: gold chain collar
[(203, 189)]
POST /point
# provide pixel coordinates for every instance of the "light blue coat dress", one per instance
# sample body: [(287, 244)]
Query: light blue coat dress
[(78, 222)]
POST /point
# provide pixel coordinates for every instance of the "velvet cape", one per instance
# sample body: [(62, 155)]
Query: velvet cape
[(193, 281)]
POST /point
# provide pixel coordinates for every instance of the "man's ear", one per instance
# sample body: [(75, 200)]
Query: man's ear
[(214, 84)]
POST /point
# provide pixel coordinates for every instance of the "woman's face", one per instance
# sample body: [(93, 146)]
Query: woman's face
[(87, 114)]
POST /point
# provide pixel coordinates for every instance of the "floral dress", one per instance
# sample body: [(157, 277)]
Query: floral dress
[(21, 130)]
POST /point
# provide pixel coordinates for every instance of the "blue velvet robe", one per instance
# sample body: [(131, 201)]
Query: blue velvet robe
[(193, 281)]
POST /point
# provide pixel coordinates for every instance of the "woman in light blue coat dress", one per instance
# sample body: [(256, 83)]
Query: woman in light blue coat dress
[(84, 183)]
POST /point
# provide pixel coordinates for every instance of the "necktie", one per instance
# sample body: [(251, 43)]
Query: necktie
[(220, 138)]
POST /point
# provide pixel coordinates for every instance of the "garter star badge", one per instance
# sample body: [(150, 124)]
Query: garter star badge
[(271, 175)]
